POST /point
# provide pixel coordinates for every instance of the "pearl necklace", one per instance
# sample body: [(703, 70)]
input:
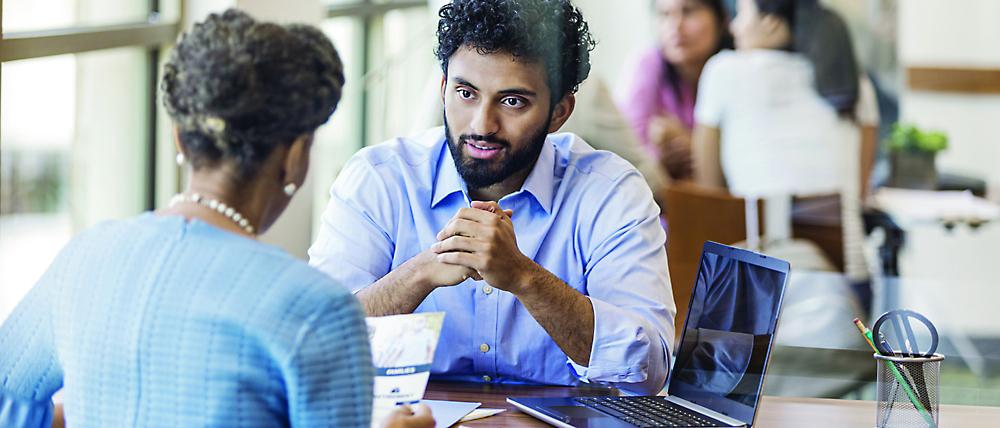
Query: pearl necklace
[(214, 204)]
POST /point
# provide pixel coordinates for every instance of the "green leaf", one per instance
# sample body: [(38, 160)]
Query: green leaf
[(910, 138)]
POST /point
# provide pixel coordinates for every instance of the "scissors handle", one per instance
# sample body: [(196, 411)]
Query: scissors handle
[(904, 332)]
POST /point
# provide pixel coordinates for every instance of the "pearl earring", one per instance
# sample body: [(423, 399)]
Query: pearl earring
[(290, 189), (180, 159)]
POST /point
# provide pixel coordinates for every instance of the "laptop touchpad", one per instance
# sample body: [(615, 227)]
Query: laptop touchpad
[(579, 412)]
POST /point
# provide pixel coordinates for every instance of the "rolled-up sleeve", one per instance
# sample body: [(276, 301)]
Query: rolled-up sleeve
[(628, 283)]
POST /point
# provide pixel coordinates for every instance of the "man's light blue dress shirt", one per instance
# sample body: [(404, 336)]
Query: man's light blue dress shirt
[(584, 215)]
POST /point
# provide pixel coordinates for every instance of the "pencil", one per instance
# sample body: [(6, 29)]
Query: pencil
[(899, 376)]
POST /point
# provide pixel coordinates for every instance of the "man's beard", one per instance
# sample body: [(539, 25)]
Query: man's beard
[(482, 173)]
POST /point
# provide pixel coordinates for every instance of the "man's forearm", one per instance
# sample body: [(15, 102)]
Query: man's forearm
[(566, 314), (398, 292)]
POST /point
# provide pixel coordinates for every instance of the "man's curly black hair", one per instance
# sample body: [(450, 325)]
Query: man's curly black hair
[(552, 31), (237, 88)]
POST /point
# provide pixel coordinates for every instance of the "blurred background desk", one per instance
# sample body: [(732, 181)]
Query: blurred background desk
[(775, 412), (947, 271)]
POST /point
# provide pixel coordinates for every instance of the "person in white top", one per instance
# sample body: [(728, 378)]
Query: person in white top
[(763, 130)]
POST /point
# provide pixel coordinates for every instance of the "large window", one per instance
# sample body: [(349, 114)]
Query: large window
[(387, 49), (76, 119), (83, 139)]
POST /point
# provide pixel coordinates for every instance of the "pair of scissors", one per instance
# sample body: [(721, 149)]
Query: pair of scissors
[(900, 326)]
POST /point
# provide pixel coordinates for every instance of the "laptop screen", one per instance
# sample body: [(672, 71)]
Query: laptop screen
[(729, 329)]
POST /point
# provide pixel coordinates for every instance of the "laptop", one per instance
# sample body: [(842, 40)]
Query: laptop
[(718, 369)]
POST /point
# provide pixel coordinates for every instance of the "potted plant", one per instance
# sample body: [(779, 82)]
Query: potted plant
[(911, 157)]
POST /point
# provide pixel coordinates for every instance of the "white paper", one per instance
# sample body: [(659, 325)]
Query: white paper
[(479, 414), (402, 351), (448, 413)]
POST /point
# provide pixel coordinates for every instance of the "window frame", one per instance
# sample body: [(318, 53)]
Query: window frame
[(367, 11)]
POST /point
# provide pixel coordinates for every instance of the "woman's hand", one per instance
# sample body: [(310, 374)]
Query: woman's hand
[(404, 417), (665, 127), (673, 139)]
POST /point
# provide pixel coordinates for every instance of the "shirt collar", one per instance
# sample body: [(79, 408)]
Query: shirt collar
[(540, 182), (448, 181)]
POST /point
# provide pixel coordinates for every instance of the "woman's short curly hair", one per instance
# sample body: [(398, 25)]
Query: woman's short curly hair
[(237, 88), (552, 31)]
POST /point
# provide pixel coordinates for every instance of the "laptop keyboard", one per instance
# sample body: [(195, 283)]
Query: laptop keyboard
[(649, 412)]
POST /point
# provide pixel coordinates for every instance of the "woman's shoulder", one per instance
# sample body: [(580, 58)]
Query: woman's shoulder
[(642, 66), (754, 57), (725, 63), (650, 56), (273, 270), (281, 290), (725, 58), (756, 65)]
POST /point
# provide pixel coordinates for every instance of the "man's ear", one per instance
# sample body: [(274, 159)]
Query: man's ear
[(296, 162), (560, 114), (444, 85)]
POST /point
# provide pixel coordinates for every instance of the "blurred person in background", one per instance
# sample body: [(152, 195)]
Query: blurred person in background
[(179, 316), (779, 119), (657, 95), (772, 119)]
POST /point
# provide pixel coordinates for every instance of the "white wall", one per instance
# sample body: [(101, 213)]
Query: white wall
[(621, 28), (959, 264), (954, 32), (957, 33)]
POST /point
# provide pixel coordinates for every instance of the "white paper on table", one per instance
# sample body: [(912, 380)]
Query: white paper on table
[(448, 413)]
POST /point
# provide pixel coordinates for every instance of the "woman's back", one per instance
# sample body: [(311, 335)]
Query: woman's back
[(159, 321)]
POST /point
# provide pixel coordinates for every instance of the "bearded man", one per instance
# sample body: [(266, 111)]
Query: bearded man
[(546, 256)]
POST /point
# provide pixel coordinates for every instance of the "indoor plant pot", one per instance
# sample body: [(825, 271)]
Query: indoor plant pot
[(911, 157), (912, 169)]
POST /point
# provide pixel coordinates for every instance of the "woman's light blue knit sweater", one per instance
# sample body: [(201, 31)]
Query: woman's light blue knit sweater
[(155, 321)]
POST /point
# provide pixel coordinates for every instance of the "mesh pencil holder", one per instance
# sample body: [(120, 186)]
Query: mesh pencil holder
[(908, 391)]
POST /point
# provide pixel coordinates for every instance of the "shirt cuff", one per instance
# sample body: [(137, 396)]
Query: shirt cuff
[(622, 348), (16, 412)]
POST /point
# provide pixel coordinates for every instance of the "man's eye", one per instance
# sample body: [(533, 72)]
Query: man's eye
[(464, 94), (513, 102)]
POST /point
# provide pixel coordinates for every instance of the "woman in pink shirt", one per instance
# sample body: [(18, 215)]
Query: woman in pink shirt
[(658, 96)]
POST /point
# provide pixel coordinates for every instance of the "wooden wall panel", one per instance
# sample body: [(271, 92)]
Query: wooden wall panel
[(964, 80)]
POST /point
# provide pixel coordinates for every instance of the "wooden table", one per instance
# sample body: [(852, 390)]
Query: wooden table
[(775, 412)]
